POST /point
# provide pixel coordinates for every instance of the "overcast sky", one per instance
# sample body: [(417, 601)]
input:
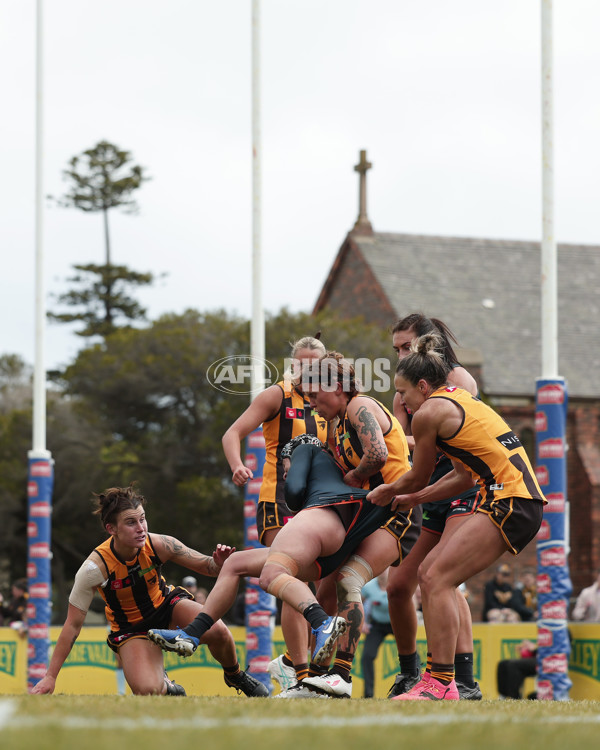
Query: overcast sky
[(445, 97)]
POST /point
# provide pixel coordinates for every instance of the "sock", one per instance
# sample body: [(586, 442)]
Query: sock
[(287, 659), (315, 614), (409, 664), (120, 681), (428, 667), (343, 664), (301, 671), (232, 671), (444, 673), (199, 625), (463, 667), (315, 670)]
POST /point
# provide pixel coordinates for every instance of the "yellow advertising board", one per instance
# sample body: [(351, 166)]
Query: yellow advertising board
[(90, 668)]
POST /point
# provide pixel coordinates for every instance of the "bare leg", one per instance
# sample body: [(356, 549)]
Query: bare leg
[(474, 546), (402, 583), (143, 667)]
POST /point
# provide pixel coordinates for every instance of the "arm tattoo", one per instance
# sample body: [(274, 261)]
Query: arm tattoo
[(179, 550), (375, 455)]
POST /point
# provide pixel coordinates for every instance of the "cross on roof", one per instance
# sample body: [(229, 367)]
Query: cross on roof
[(363, 225)]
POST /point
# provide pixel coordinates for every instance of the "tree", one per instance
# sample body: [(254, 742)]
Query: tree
[(102, 294), (101, 179)]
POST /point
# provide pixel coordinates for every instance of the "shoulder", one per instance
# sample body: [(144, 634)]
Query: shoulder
[(463, 379), (362, 403)]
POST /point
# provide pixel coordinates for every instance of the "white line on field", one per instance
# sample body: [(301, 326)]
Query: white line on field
[(7, 710), (201, 722)]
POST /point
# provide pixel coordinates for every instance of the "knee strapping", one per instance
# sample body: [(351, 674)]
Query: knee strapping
[(279, 584), (283, 561), (354, 575)]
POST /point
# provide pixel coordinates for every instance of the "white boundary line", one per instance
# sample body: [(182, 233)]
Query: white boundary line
[(145, 722), (7, 711)]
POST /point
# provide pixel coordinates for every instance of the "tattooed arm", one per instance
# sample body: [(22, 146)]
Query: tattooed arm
[(364, 417), (169, 548)]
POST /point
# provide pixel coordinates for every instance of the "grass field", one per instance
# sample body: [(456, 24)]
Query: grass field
[(156, 723)]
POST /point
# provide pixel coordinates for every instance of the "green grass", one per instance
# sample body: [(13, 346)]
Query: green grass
[(156, 723)]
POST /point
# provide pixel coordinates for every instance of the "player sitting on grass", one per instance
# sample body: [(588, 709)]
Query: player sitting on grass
[(126, 570)]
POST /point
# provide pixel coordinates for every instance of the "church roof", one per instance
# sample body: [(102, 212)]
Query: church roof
[(489, 293)]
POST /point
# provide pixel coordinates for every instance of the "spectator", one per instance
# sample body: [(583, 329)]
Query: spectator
[(191, 584), (511, 673), (200, 595), (587, 606), (524, 600), (376, 625), (15, 611), (497, 597)]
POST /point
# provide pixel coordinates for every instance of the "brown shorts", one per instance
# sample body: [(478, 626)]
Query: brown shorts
[(406, 527), (271, 515), (517, 518), (160, 619)]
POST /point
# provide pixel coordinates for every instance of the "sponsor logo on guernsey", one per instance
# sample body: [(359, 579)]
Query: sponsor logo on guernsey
[(542, 475), (544, 531), (553, 557), (509, 440), (556, 610), (555, 664), (291, 413), (551, 448), (551, 394), (556, 502), (544, 583), (450, 389), (541, 421), (496, 487)]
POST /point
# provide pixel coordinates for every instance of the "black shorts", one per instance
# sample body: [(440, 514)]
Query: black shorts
[(517, 518), (406, 527), (161, 619), (436, 514), (369, 519), (271, 515)]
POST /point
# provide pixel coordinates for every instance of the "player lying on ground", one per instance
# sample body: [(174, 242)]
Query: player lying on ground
[(126, 570)]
